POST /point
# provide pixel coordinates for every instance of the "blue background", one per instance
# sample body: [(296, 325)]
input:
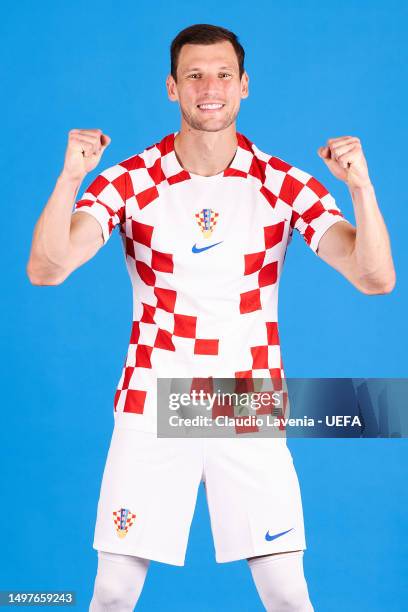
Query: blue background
[(317, 70)]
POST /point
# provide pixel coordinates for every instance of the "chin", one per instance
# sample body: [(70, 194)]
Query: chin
[(214, 125), (212, 128)]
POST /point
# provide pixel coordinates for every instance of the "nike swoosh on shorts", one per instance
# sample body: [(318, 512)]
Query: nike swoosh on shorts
[(269, 538)]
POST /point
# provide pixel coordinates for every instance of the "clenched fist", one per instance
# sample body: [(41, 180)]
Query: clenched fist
[(345, 159), (84, 151)]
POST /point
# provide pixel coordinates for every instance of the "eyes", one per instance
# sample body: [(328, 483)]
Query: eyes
[(197, 75)]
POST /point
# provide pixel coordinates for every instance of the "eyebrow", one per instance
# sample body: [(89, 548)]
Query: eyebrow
[(220, 68)]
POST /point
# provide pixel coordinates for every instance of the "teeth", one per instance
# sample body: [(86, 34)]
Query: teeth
[(210, 106)]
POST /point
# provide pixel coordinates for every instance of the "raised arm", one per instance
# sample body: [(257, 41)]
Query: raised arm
[(61, 241), (361, 254)]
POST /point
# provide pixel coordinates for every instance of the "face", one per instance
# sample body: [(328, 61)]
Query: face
[(208, 87)]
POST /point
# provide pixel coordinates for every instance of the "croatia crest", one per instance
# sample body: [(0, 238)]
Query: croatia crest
[(123, 520), (207, 220)]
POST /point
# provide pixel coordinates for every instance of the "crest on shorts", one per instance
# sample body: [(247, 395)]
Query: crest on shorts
[(123, 519), (207, 220)]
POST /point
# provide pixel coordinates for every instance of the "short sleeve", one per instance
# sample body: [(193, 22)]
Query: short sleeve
[(314, 209), (105, 199)]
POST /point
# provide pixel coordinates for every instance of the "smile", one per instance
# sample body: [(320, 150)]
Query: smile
[(210, 107)]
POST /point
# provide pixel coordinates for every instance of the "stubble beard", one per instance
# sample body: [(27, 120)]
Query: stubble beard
[(197, 124)]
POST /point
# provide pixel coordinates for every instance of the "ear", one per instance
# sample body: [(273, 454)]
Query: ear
[(171, 88), (244, 85)]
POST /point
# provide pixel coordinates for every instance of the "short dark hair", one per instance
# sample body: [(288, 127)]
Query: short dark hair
[(204, 34)]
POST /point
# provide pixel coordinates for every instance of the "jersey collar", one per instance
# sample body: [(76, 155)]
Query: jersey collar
[(173, 170)]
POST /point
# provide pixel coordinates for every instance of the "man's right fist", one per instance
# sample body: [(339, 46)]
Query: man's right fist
[(84, 151)]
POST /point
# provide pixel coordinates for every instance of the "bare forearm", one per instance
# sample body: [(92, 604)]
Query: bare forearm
[(51, 234), (372, 250), (368, 263), (51, 251)]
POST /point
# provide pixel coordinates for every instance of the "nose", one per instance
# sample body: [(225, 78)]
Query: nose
[(210, 85)]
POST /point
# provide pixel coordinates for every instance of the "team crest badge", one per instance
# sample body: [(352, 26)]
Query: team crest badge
[(123, 520), (207, 220)]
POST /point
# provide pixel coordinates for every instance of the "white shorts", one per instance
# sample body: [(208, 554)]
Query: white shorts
[(149, 491)]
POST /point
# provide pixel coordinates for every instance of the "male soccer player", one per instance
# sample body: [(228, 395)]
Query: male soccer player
[(205, 218)]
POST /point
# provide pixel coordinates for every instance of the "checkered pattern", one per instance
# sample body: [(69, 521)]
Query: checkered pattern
[(245, 383), (207, 311)]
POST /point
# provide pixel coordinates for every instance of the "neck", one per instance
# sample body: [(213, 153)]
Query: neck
[(205, 153)]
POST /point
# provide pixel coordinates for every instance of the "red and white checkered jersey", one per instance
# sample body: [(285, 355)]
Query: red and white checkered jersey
[(204, 255)]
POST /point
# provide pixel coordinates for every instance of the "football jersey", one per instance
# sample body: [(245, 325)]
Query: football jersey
[(204, 256)]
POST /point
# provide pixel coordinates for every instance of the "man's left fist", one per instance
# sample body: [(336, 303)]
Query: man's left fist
[(345, 159)]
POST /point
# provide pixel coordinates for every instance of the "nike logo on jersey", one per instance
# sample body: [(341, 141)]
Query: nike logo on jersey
[(269, 537), (197, 249)]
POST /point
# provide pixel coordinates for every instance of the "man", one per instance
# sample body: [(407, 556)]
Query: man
[(205, 218)]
